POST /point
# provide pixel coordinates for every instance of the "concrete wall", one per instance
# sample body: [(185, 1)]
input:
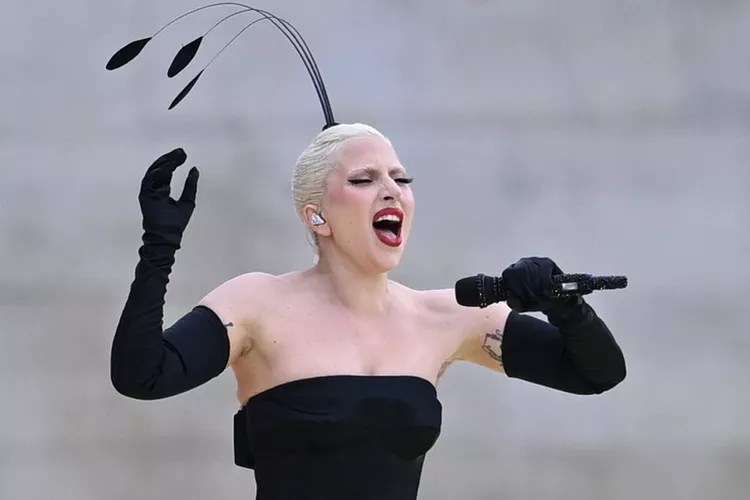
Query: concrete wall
[(610, 136)]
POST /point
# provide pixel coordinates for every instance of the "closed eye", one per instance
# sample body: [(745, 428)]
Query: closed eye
[(400, 180)]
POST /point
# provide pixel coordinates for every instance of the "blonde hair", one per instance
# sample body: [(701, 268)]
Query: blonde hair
[(317, 162)]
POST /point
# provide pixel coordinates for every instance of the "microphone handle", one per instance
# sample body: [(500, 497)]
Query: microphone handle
[(563, 285)]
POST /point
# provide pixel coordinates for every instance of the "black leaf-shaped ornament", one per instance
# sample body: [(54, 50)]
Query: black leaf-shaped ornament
[(185, 91), (127, 53), (184, 56)]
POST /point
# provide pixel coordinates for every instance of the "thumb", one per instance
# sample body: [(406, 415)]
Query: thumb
[(191, 186)]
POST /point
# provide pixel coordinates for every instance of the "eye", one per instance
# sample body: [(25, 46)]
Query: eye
[(399, 180)]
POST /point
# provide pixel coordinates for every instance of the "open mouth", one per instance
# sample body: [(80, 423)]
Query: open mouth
[(387, 225)]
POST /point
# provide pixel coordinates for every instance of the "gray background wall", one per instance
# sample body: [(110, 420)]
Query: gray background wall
[(611, 136)]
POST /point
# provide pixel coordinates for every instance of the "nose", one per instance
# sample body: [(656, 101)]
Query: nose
[(391, 190)]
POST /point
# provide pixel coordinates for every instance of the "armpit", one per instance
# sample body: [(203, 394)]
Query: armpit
[(443, 368)]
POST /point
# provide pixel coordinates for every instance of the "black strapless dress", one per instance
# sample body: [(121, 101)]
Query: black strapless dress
[(339, 437)]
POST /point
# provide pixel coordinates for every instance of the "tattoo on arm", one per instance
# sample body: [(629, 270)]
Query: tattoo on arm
[(493, 345), (229, 324)]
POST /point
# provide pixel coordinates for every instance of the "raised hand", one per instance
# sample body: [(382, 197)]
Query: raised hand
[(165, 218)]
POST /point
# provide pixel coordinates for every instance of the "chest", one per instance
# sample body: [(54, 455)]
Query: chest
[(308, 340)]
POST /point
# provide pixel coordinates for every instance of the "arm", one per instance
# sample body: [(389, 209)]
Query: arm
[(483, 339), (147, 362), (577, 354)]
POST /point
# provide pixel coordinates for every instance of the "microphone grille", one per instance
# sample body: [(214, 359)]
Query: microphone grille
[(467, 291), (613, 282)]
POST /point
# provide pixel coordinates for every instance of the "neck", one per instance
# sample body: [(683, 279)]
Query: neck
[(353, 288)]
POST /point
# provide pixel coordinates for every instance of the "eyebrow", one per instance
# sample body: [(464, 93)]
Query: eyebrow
[(374, 171)]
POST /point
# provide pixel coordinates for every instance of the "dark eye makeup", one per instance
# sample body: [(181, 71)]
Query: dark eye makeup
[(400, 180)]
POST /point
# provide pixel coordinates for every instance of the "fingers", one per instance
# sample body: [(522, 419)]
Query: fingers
[(191, 186), (166, 164), (170, 160), (528, 283), (159, 175)]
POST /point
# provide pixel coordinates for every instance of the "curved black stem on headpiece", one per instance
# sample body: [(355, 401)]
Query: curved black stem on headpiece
[(186, 54)]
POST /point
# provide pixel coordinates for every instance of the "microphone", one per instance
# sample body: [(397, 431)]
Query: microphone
[(481, 291)]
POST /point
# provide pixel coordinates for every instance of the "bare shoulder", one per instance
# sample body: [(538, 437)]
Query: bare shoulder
[(442, 302), (480, 330), (442, 299), (245, 297)]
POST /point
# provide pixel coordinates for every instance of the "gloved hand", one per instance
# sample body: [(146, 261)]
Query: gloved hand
[(164, 218), (528, 283)]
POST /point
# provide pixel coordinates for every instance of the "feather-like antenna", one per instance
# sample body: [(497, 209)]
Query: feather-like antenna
[(186, 54)]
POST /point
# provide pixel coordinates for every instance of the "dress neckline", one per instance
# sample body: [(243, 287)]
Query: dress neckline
[(339, 378)]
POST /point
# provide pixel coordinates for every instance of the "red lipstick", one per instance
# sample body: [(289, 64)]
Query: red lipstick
[(388, 230)]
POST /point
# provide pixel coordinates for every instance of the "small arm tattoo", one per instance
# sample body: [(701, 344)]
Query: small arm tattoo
[(228, 324), (493, 345)]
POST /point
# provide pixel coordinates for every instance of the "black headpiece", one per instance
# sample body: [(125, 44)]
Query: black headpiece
[(187, 52)]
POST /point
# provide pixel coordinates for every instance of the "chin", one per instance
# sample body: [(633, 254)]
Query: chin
[(385, 264), (386, 259)]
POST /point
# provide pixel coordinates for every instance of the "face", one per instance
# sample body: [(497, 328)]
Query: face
[(368, 205)]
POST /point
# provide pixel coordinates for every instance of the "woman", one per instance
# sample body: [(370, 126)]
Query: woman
[(336, 365)]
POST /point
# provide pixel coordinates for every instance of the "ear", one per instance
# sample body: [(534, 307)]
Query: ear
[(320, 229)]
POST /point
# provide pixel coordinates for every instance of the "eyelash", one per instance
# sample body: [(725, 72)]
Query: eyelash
[(400, 180)]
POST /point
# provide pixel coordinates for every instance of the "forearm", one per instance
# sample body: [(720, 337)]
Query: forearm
[(575, 352), (138, 345), (149, 363), (590, 344)]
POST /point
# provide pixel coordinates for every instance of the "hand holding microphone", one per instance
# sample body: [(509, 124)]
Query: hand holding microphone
[(533, 284)]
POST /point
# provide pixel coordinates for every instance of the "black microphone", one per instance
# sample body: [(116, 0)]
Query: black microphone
[(481, 290)]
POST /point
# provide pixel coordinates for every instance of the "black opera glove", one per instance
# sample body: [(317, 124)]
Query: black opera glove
[(528, 284), (147, 361), (164, 218), (575, 352)]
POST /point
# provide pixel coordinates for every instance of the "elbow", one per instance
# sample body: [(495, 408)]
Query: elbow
[(608, 385), (621, 370), (126, 386), (134, 375), (614, 377)]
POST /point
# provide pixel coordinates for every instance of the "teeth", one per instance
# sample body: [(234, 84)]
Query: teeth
[(394, 218)]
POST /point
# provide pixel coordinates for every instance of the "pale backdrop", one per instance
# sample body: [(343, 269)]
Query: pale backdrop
[(611, 136)]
